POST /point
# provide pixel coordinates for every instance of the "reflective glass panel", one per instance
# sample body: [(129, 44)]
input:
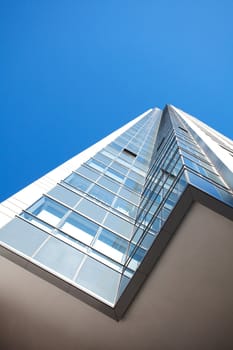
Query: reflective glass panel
[(96, 165), (92, 210), (131, 196), (37, 222), (80, 228), (107, 154), (125, 207), (22, 236), (88, 173), (119, 168), (103, 158), (78, 182), (109, 184), (105, 260), (133, 185), (111, 245), (64, 195), (102, 194), (136, 176), (59, 257), (114, 174), (48, 210), (93, 276), (138, 255), (116, 224)]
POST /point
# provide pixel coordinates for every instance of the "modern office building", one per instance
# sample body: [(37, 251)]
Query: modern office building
[(136, 229)]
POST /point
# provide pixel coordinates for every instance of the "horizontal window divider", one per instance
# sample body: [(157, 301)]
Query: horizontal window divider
[(159, 169), (213, 171), (147, 210), (94, 200), (203, 159), (155, 216), (88, 168), (83, 215), (221, 187), (51, 234), (160, 158), (87, 194), (70, 282), (170, 139)]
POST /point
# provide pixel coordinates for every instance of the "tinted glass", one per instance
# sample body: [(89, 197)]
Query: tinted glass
[(80, 228), (78, 182)]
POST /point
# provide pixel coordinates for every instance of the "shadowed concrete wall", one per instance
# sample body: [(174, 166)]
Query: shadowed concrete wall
[(186, 302)]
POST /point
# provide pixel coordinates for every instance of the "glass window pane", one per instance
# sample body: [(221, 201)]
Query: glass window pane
[(114, 174), (22, 236), (80, 228), (111, 245), (125, 207), (78, 182), (203, 185), (102, 194), (48, 210), (138, 255), (139, 164), (139, 171), (131, 196), (148, 241), (103, 158), (59, 257), (127, 157), (116, 224), (123, 162), (37, 222), (64, 195), (91, 210), (156, 226), (71, 241), (138, 233), (109, 155), (133, 185), (214, 177), (96, 165), (147, 218), (119, 168), (123, 140), (88, 173), (99, 279), (136, 176), (105, 260), (114, 148), (123, 284), (109, 184)]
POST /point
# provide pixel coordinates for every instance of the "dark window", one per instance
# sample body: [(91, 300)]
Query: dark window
[(182, 129), (160, 143), (130, 153)]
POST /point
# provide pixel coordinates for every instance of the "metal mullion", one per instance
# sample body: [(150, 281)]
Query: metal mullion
[(41, 246), (92, 220), (160, 157), (159, 169), (148, 227), (161, 188), (86, 178), (73, 190)]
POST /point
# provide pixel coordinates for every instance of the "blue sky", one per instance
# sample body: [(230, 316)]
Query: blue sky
[(74, 71)]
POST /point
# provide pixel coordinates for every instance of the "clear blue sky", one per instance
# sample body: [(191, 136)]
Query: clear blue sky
[(71, 72)]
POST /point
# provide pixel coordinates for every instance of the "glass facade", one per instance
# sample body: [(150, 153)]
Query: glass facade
[(94, 228)]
